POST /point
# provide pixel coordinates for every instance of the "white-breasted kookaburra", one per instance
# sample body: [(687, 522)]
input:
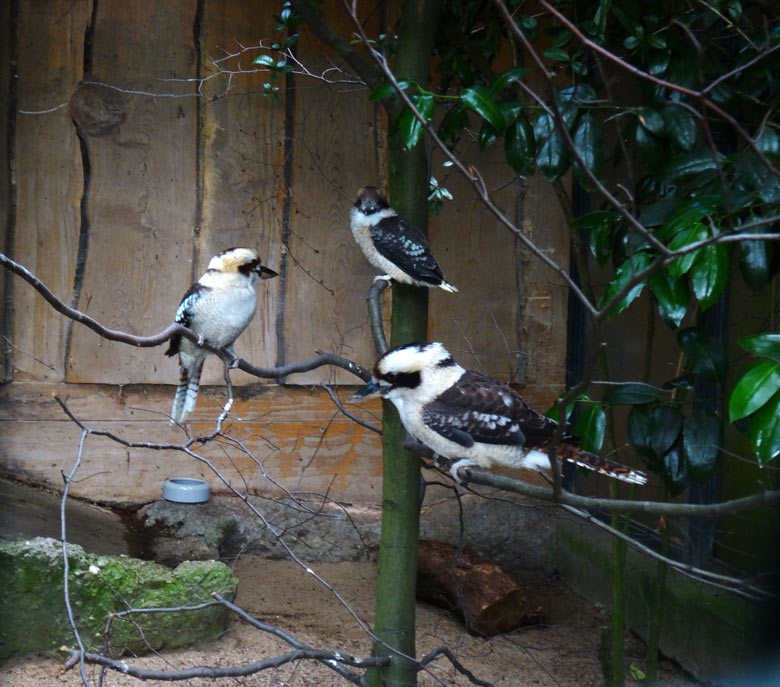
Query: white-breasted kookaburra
[(393, 244), (218, 307), (471, 419)]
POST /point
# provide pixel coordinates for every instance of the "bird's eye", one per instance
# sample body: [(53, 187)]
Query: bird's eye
[(389, 377)]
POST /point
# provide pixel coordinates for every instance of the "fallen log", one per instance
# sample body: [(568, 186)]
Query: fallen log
[(488, 598)]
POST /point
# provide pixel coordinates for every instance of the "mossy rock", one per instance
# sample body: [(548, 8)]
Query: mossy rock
[(33, 616)]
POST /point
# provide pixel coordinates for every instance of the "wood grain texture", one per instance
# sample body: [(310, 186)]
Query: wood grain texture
[(49, 178), (141, 200), (300, 439), (334, 155), (7, 119), (477, 254), (240, 138)]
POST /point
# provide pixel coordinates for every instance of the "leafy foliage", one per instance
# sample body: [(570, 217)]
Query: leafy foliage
[(695, 145)]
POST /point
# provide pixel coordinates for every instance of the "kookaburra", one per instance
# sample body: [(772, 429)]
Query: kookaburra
[(471, 419), (392, 244), (218, 307)]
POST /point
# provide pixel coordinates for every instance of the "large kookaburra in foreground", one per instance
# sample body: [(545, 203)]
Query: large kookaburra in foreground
[(471, 419), (393, 244), (218, 307)]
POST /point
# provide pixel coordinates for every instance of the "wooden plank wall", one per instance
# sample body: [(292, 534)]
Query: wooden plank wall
[(143, 146)]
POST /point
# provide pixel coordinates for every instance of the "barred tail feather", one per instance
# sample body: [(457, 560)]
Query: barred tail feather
[(186, 393), (448, 287), (584, 459)]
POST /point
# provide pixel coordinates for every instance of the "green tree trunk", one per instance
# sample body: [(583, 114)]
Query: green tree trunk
[(397, 566)]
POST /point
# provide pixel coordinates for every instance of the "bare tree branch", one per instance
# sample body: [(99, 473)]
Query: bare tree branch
[(699, 95), (322, 358)]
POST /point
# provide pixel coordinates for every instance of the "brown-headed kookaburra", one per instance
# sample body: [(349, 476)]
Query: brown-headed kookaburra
[(218, 307), (392, 244), (471, 419)]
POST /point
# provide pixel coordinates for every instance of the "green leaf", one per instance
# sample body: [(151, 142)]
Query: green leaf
[(452, 124), (680, 126), (588, 143), (702, 440), (764, 345), (672, 296), (687, 215), (688, 164), (652, 121), (649, 147), (709, 273), (506, 78), (519, 146), (387, 89), (552, 158), (408, 126), (638, 426), (633, 393), (765, 430), (478, 98), (768, 142), (706, 355), (658, 62), (266, 60), (755, 263), (754, 389), (623, 276), (683, 264), (590, 426), (556, 54), (596, 227), (487, 135), (665, 426), (674, 469)]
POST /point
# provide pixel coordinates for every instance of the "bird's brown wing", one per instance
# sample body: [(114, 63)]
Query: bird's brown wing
[(479, 409)]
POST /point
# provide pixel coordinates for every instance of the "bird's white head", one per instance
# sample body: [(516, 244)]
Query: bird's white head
[(243, 261), (419, 370)]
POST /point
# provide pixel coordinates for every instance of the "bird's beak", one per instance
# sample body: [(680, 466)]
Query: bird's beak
[(366, 391), (267, 273)]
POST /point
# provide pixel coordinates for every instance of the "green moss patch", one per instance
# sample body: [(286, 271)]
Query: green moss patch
[(33, 615)]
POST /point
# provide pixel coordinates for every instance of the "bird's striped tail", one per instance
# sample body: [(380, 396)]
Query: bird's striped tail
[(186, 393), (576, 455)]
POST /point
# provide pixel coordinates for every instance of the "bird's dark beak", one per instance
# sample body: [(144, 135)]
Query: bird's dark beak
[(267, 273), (366, 391)]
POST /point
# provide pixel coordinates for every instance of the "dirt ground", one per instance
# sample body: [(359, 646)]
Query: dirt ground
[(280, 593)]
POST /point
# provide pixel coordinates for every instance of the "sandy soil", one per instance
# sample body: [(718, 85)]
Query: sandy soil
[(280, 593)]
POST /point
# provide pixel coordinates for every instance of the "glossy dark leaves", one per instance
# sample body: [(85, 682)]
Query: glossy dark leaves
[(408, 126), (479, 99), (632, 393), (672, 296), (705, 355), (624, 275), (590, 426), (552, 157), (763, 345), (519, 146), (760, 383), (702, 436)]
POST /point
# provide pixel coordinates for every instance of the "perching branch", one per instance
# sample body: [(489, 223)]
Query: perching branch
[(322, 358), (472, 475)]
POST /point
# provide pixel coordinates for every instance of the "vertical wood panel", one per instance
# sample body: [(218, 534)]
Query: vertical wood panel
[(142, 195), (334, 155), (478, 324), (241, 139), (7, 119), (49, 178)]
